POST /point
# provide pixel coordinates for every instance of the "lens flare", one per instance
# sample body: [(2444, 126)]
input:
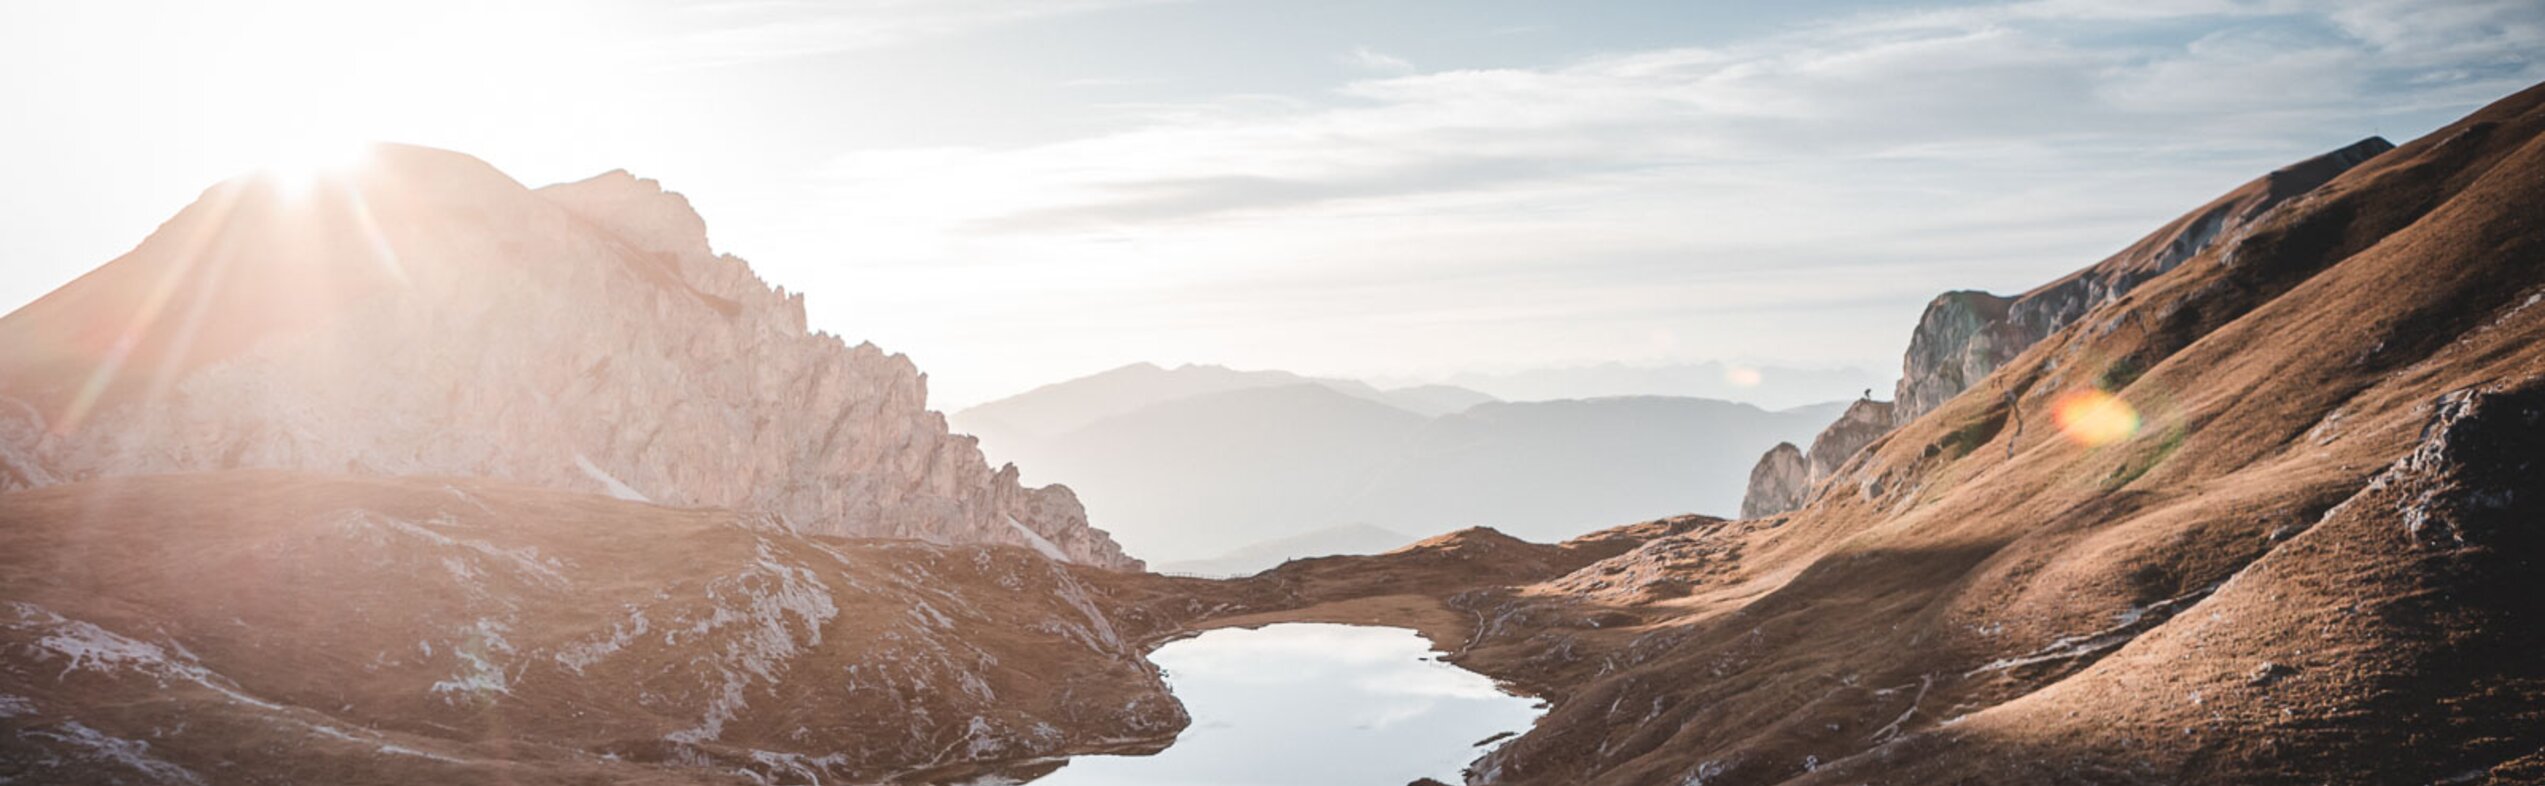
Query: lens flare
[(2093, 418)]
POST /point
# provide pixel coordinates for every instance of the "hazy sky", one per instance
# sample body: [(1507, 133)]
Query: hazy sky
[(1016, 191)]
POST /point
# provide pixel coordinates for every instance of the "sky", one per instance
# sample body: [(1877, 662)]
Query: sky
[(1016, 192)]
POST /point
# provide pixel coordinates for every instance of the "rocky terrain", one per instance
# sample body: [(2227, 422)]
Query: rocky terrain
[(1965, 335), (272, 627), (2305, 557), (1785, 478), (427, 315)]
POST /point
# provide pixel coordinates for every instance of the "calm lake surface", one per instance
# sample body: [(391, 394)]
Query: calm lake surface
[(1313, 705)]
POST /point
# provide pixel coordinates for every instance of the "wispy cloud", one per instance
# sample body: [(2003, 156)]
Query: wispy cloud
[(1680, 190), (1987, 89), (724, 32), (1374, 60)]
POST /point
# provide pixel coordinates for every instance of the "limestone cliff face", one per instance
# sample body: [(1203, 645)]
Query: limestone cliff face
[(1862, 423), (1963, 336), (1959, 339), (432, 316), (1782, 481), (1788, 477)]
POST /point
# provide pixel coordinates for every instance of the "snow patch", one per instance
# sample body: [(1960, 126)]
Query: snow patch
[(583, 654), (479, 674), (91, 648), (526, 560), (1039, 542), (608, 483), (809, 768), (759, 603), (133, 754)]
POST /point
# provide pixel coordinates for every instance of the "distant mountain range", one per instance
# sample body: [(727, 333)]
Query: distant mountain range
[(1061, 407), (1257, 557), (1196, 462), (1769, 387)]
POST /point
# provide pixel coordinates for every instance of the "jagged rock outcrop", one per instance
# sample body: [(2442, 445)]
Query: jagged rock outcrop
[(1965, 335), (428, 315), (1781, 482), (1863, 421), (1959, 338), (1777, 486)]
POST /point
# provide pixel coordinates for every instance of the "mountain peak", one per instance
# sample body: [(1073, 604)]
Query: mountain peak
[(582, 337), (638, 209)]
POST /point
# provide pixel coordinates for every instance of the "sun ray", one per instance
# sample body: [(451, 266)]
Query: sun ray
[(146, 314)]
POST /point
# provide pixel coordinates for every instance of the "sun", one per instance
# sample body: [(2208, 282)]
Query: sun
[(296, 166)]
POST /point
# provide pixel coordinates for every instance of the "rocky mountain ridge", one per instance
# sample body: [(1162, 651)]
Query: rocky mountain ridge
[(1963, 336), (425, 314)]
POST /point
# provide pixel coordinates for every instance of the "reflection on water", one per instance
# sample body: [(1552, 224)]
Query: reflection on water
[(1313, 705)]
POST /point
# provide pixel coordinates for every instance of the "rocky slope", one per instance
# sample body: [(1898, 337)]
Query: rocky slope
[(1963, 336), (270, 627), (2303, 557), (1780, 482), (428, 315)]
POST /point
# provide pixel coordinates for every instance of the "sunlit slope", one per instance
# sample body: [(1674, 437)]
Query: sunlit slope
[(315, 629), (2302, 556)]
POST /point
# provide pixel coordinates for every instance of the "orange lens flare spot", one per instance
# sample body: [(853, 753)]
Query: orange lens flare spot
[(2094, 418)]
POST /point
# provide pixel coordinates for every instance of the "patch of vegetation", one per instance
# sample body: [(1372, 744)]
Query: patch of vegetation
[(1971, 435), (2134, 467), (2122, 372)]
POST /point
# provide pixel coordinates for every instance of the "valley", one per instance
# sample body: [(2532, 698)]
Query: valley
[(425, 476)]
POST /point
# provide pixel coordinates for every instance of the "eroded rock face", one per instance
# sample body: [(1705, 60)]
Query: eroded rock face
[(1862, 423), (1779, 483), (1959, 339), (431, 316)]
